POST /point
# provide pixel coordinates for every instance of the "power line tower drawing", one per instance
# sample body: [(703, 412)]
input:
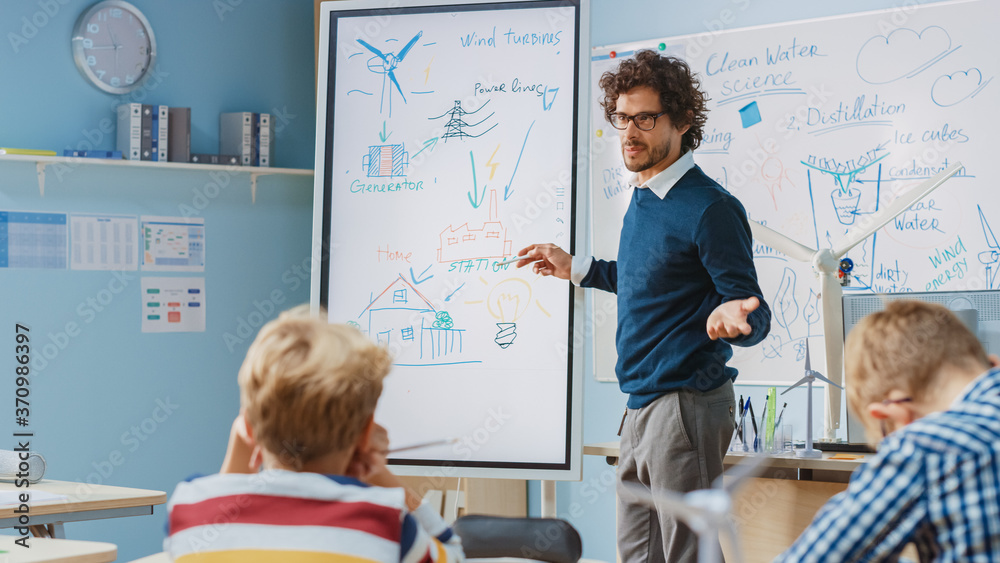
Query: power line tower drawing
[(456, 125)]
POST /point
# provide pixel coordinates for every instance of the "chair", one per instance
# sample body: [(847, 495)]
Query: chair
[(541, 539), (452, 497)]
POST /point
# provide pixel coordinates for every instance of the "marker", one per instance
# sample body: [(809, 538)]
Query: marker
[(780, 414), (763, 424), (424, 445), (517, 259), (741, 428), (753, 418)]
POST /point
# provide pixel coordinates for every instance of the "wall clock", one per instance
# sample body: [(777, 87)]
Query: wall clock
[(113, 46)]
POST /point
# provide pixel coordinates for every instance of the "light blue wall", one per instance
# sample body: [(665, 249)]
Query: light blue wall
[(257, 57), (213, 56), (99, 391)]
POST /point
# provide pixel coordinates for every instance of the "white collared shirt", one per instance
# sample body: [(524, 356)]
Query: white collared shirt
[(663, 181), (660, 184)]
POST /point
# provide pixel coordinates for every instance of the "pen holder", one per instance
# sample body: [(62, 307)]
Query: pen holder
[(744, 441), (782, 440), (738, 445)]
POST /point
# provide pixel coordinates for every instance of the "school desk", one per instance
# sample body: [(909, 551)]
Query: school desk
[(83, 502), (56, 551)]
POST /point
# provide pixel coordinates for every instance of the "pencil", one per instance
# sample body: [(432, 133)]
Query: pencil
[(424, 445)]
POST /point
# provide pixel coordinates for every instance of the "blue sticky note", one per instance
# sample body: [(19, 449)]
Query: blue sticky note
[(750, 114)]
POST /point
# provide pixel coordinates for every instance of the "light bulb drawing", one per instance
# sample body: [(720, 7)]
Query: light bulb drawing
[(507, 302)]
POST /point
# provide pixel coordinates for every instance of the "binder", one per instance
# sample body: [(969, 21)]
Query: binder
[(29, 152), (265, 140), (179, 135), (224, 159), (161, 133), (236, 135), (146, 141), (255, 139), (129, 132), (110, 155)]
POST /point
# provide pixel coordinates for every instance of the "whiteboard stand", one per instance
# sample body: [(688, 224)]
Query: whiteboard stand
[(548, 499)]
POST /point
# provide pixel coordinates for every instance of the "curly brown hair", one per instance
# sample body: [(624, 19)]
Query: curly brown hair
[(682, 100)]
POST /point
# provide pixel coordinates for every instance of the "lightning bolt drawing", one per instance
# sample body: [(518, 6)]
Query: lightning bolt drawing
[(492, 164), (427, 71)]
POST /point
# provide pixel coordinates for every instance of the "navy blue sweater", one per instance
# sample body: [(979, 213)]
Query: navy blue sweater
[(678, 259)]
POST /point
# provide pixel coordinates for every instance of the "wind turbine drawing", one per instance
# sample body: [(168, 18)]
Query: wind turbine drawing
[(826, 263), (706, 511), (388, 64), (808, 379)]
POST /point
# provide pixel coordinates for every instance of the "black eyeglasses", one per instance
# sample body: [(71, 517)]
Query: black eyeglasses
[(885, 430), (643, 121)]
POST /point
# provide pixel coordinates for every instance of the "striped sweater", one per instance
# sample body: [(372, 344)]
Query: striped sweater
[(293, 517)]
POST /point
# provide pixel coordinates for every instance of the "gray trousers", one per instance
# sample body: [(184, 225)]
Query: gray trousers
[(676, 443)]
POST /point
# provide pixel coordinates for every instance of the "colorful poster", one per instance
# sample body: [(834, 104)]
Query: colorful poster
[(173, 244), (173, 304), (32, 240)]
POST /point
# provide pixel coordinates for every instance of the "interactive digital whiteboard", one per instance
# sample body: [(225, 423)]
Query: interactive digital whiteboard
[(446, 141), (814, 125)]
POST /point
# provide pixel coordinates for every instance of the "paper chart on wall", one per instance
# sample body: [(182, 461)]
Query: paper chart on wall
[(173, 304), (103, 242), (30, 239), (173, 244)]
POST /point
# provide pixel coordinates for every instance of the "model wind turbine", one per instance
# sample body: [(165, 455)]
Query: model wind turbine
[(991, 257), (707, 511), (808, 379), (826, 264)]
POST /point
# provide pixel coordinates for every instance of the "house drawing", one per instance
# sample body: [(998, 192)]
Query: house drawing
[(401, 318)]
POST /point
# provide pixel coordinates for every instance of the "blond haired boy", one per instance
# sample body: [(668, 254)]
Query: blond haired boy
[(924, 387), (308, 391)]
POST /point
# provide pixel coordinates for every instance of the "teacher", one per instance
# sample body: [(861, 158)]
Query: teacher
[(687, 289)]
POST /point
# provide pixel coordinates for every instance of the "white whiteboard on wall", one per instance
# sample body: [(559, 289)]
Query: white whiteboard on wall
[(446, 142), (813, 125)]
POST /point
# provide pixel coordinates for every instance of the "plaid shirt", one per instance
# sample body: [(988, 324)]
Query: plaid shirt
[(935, 482)]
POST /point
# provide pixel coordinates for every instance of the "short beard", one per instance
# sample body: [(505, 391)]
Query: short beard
[(656, 154)]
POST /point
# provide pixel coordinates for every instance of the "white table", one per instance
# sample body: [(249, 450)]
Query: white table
[(83, 502), (154, 558), (56, 550)]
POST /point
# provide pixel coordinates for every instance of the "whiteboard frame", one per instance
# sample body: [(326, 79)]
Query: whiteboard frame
[(572, 468)]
